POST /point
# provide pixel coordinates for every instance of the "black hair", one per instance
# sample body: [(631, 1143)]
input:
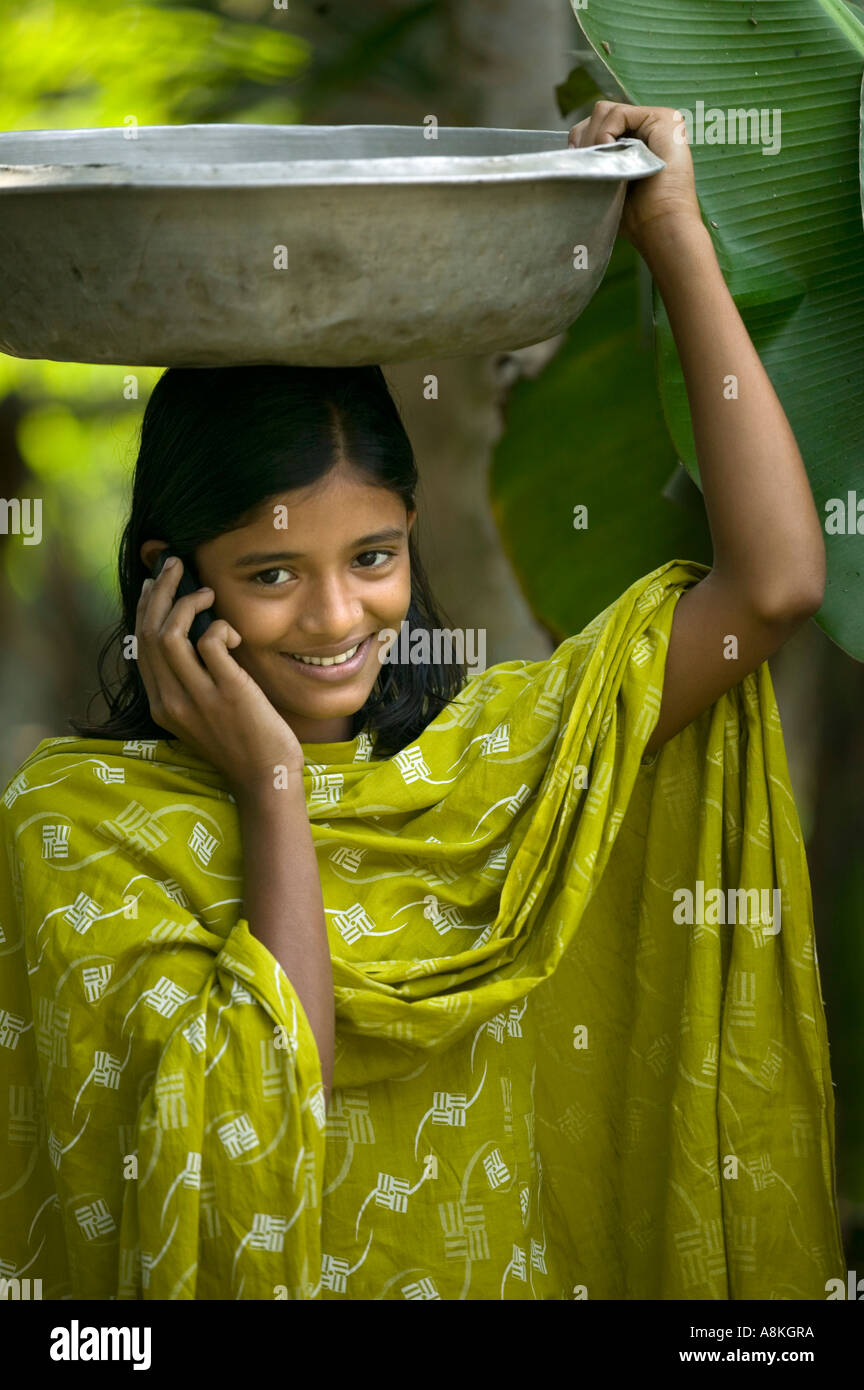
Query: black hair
[(216, 443)]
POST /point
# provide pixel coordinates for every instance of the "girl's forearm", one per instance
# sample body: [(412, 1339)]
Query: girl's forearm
[(283, 902), (766, 532)]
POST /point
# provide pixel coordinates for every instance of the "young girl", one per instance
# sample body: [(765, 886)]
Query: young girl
[(331, 975)]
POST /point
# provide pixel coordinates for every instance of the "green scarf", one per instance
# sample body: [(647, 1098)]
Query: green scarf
[(562, 1070)]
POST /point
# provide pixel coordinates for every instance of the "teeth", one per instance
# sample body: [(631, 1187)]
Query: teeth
[(328, 660)]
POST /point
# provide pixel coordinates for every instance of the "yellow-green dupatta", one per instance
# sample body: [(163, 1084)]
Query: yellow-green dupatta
[(549, 1083)]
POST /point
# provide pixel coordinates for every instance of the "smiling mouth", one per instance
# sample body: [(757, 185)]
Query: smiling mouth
[(328, 660), (342, 662)]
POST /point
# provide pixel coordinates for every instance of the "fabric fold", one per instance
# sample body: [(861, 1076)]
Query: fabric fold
[(581, 1049)]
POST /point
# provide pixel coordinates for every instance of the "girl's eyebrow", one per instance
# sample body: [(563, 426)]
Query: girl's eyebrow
[(267, 557)]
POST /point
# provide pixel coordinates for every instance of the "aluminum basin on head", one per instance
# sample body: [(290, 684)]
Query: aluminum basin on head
[(216, 245)]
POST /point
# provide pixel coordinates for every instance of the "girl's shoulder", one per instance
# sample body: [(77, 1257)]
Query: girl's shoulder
[(47, 764)]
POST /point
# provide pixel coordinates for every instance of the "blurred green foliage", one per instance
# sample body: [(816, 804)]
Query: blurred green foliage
[(94, 62)]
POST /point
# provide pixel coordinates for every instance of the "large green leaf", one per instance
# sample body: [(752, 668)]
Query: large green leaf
[(589, 432), (787, 227)]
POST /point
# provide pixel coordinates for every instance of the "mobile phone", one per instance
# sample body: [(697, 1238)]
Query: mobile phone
[(189, 582)]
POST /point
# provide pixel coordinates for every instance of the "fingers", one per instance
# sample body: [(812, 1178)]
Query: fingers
[(158, 681), (577, 132), (169, 668), (611, 119), (214, 649)]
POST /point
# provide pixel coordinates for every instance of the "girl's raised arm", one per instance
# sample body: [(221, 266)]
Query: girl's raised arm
[(768, 572)]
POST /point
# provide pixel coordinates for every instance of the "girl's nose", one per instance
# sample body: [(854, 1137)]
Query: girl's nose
[(330, 612)]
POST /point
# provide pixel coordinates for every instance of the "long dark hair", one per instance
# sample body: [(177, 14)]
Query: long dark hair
[(217, 442)]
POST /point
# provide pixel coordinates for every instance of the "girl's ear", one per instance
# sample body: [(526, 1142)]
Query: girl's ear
[(412, 517), (149, 552)]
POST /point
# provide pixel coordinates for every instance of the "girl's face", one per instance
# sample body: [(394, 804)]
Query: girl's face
[(321, 571)]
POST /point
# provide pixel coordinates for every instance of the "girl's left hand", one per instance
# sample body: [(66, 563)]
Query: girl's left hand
[(653, 200)]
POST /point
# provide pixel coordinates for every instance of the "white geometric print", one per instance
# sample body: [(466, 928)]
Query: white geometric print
[(95, 979), (195, 1033), (519, 797), (238, 1136), (318, 1105), (18, 785), (83, 913), (742, 1014), (348, 858), (412, 765), (507, 1022), (11, 1027), (349, 1116), (444, 918), (353, 923), (392, 1192), (95, 1219), (202, 843), (448, 1109), (55, 841), (175, 892), (52, 1030), (171, 1098), (326, 789), (496, 742), (334, 1273), (496, 1169), (140, 748), (270, 1068), (268, 1232), (109, 774), (464, 1227), (421, 1289), (137, 828), (363, 751), (497, 861), (23, 1116), (192, 1171), (165, 997), (106, 1070)]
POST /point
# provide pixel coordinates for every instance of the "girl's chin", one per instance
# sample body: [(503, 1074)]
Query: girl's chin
[(323, 703)]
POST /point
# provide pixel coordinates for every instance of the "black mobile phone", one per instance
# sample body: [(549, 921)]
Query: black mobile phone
[(189, 582)]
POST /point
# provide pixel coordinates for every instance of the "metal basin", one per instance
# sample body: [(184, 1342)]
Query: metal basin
[(212, 245)]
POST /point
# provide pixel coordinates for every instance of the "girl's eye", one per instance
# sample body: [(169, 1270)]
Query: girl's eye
[(262, 577), (368, 559), (385, 554)]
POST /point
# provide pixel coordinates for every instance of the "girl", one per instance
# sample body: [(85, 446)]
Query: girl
[(470, 1037)]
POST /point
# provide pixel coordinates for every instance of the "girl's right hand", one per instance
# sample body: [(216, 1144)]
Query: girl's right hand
[(217, 709)]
